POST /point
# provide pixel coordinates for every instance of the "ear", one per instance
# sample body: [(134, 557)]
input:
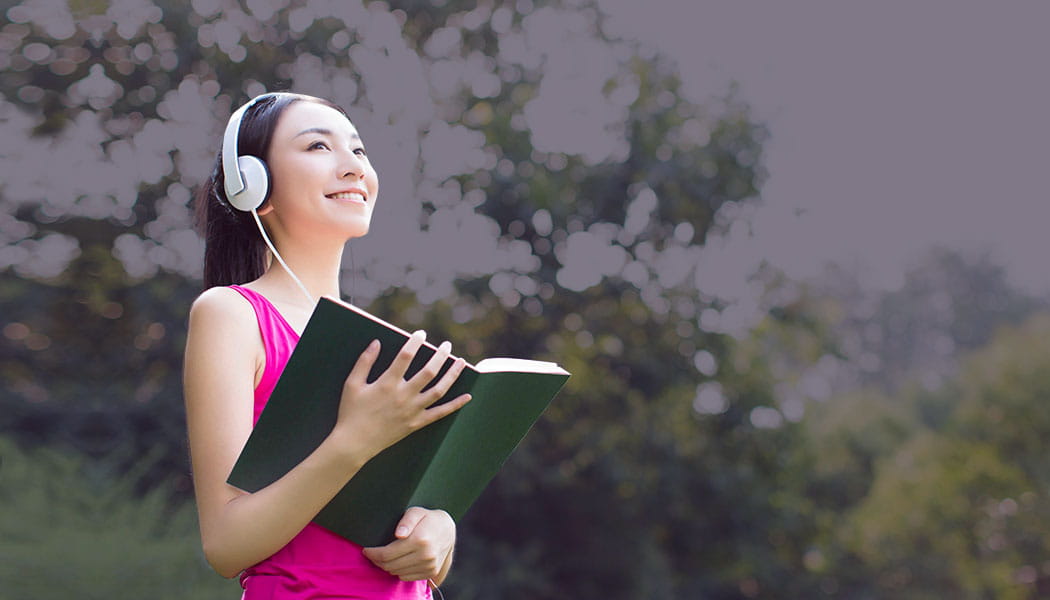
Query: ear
[(265, 209)]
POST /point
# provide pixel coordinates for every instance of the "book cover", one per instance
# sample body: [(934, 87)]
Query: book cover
[(445, 465)]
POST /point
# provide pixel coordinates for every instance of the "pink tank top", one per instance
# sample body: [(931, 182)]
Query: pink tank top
[(316, 563)]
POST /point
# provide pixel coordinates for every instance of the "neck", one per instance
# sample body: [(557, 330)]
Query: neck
[(316, 267)]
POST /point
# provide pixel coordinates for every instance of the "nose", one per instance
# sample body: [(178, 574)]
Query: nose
[(352, 167)]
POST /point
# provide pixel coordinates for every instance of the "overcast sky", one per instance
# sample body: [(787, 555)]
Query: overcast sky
[(895, 125)]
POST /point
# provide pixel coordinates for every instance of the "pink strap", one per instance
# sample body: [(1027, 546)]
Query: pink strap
[(279, 339)]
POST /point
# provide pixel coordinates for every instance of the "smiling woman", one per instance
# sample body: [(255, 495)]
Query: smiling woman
[(293, 168)]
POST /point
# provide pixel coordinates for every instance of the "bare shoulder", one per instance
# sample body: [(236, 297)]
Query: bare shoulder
[(224, 349), (221, 301), (222, 320), (224, 308)]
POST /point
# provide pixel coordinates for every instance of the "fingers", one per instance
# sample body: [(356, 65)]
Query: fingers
[(384, 556), (404, 558), (395, 405), (441, 387), (404, 356), (432, 368), (407, 559), (423, 551), (408, 522), (359, 374), (409, 568), (441, 411)]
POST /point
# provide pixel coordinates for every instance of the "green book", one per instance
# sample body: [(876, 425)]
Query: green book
[(445, 465)]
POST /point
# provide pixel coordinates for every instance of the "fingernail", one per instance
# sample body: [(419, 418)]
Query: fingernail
[(446, 346), (373, 346), (401, 531)]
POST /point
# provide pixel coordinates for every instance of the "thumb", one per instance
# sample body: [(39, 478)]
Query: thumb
[(408, 522)]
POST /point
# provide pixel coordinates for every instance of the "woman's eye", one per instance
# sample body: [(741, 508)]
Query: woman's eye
[(360, 152), (317, 145)]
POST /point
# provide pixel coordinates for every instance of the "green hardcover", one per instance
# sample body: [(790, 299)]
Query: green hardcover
[(445, 465)]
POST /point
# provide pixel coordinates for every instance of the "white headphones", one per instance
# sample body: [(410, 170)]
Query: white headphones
[(246, 178)]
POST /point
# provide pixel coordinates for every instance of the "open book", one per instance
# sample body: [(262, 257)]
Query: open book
[(445, 465)]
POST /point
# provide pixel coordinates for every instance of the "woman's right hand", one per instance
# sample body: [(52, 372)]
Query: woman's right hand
[(374, 416)]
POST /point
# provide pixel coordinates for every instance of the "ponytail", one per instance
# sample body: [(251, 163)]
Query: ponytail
[(234, 252)]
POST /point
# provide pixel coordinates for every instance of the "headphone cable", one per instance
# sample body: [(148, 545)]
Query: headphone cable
[(277, 254), (435, 587)]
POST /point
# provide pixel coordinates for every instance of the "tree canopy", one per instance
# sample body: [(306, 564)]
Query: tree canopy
[(548, 191)]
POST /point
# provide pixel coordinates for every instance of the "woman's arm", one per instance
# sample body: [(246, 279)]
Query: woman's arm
[(223, 353)]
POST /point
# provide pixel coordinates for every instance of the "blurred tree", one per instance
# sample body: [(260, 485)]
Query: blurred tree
[(933, 524), (555, 189), (950, 303), (884, 380), (692, 504), (958, 511)]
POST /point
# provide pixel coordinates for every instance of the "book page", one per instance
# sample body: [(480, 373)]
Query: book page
[(488, 365), (518, 365)]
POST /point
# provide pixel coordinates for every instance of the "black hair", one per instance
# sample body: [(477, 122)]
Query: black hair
[(234, 251)]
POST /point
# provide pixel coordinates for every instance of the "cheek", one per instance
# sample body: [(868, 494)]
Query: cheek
[(279, 175), (286, 176), (373, 183)]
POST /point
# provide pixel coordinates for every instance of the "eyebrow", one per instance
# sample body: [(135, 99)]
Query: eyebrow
[(322, 131)]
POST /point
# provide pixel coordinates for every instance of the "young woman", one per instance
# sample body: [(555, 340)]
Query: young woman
[(322, 192)]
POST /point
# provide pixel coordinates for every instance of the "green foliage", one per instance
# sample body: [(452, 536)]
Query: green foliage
[(1003, 388), (932, 525), (672, 465), (954, 509), (602, 499), (74, 528), (851, 435)]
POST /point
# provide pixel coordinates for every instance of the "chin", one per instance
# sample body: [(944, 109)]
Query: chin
[(358, 230)]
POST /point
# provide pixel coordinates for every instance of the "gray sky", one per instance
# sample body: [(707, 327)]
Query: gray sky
[(895, 125)]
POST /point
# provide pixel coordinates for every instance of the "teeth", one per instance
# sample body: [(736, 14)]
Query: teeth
[(348, 196)]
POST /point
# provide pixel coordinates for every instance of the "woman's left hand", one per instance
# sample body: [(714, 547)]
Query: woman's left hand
[(425, 539)]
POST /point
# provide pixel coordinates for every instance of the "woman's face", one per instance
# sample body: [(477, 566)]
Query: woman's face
[(321, 177)]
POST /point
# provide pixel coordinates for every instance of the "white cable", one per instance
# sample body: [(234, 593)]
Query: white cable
[(277, 255), (436, 589)]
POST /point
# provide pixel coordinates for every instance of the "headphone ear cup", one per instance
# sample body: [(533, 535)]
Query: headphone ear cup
[(256, 184)]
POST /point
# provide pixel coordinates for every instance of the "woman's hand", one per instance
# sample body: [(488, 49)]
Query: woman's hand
[(423, 548), (373, 416)]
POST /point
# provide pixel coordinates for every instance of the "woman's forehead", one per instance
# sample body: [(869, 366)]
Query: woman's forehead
[(304, 116)]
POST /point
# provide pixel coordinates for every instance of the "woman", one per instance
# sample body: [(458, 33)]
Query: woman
[(320, 190)]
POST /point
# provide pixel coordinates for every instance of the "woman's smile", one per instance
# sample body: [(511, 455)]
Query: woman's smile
[(356, 195)]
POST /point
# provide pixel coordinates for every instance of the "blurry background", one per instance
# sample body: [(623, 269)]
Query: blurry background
[(793, 258)]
